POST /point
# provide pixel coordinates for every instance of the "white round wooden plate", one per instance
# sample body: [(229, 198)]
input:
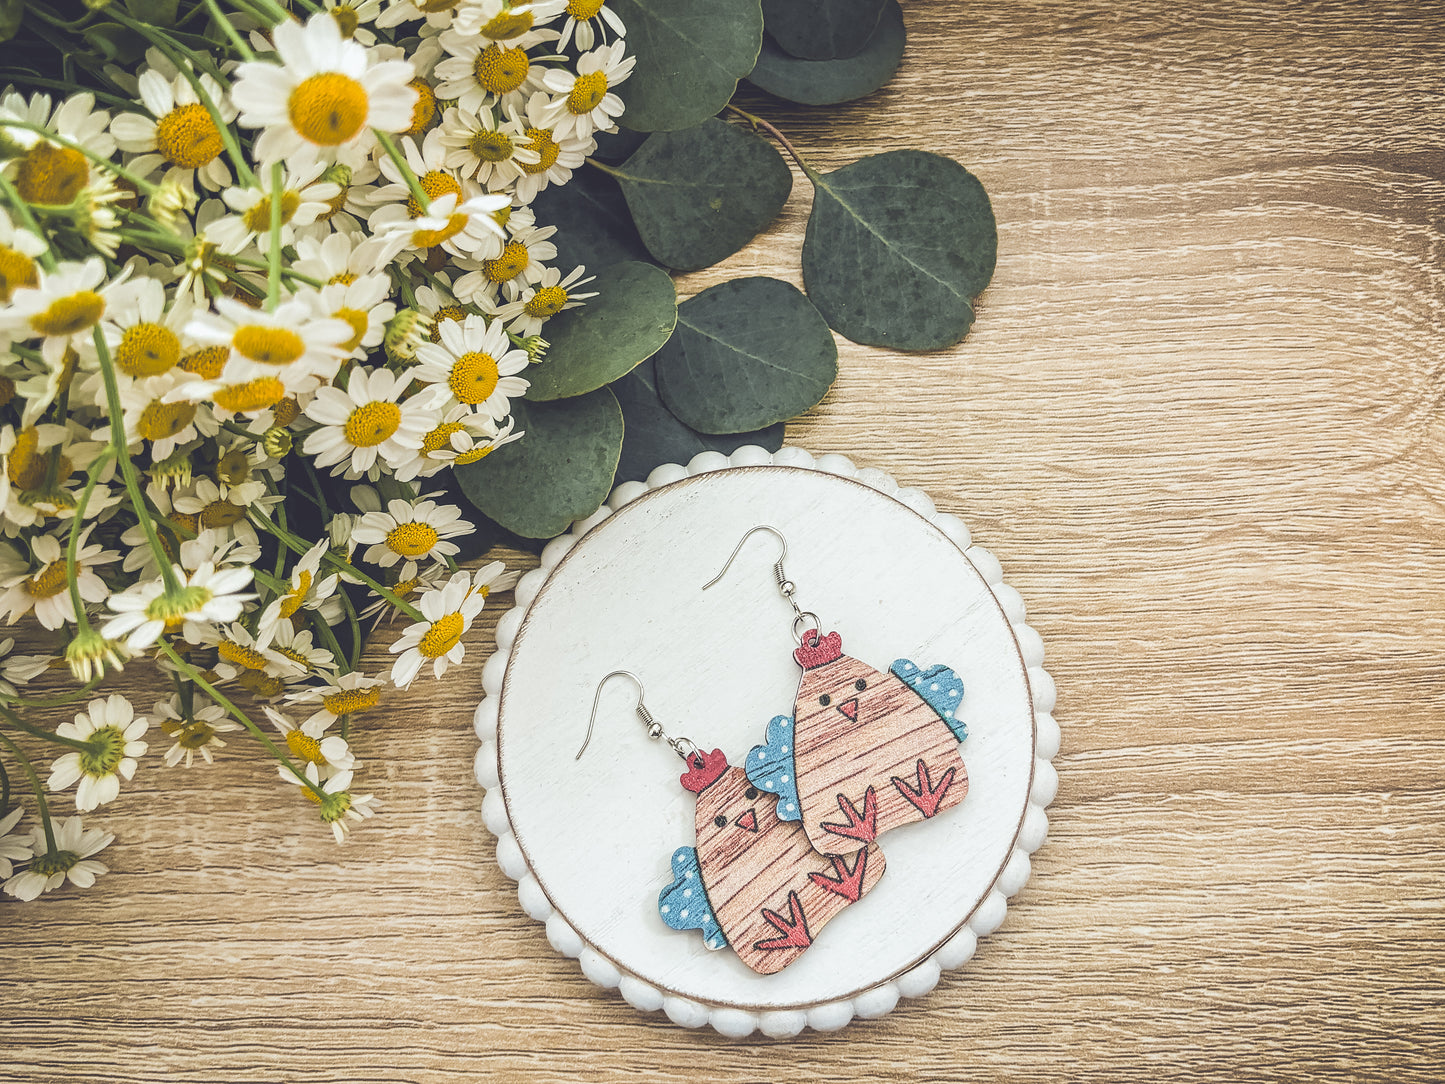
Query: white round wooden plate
[(590, 841)]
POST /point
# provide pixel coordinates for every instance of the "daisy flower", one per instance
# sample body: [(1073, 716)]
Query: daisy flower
[(581, 14), (47, 591), (464, 224), (207, 595), (480, 73), (486, 148), (586, 101), (180, 132), (438, 303), (198, 733), (518, 266), (474, 365), (448, 612), (437, 13), (345, 694), (18, 249), (71, 860), (238, 651), (463, 435), (550, 295), (325, 94), (557, 155), (66, 303), (144, 337), (288, 350), (113, 731), (155, 417), (353, 18), (49, 174), (364, 306), (339, 258), (305, 588), (503, 20), (299, 646), (339, 806), (328, 753), (13, 848), (412, 532), (304, 198), (364, 423)]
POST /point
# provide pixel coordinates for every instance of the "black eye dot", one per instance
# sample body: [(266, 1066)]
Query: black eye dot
[(720, 821), (750, 793), (860, 684), (825, 700)]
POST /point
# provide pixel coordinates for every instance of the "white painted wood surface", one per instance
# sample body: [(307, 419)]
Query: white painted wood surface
[(590, 841)]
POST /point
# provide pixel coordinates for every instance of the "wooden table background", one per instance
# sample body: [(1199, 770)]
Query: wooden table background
[(1198, 420)]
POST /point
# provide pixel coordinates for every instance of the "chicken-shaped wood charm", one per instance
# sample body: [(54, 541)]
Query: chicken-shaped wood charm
[(868, 752), (753, 881)]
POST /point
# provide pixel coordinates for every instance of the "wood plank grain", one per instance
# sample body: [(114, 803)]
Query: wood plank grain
[(1198, 420)]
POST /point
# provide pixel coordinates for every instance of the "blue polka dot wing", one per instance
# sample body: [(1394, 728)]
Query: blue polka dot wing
[(753, 881), (770, 768), (871, 751)]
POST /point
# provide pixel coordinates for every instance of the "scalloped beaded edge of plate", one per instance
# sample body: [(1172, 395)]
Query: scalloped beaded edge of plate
[(736, 1023)]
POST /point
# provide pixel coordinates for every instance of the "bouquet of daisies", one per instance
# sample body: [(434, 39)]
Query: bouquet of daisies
[(253, 296)]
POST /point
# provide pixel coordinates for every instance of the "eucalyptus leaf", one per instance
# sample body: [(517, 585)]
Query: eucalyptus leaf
[(654, 435), (594, 226), (898, 246), (12, 14), (699, 195), (821, 29), (559, 471), (116, 43), (592, 345), (486, 532), (690, 56), (160, 13), (746, 354), (828, 82)]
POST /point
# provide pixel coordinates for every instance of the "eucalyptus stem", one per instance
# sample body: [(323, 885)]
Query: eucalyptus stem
[(127, 464), (72, 546), (273, 256), (39, 793), (389, 145), (104, 163), (43, 734), (758, 122)]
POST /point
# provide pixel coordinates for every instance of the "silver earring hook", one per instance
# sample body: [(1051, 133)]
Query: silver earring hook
[(681, 746), (786, 587)]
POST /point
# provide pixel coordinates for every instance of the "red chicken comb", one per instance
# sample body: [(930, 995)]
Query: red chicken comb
[(817, 651), (703, 770)]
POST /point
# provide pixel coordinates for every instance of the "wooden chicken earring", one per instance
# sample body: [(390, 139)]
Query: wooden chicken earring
[(752, 882), (864, 751)]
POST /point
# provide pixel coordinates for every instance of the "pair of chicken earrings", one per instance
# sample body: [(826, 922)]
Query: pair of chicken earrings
[(787, 842)]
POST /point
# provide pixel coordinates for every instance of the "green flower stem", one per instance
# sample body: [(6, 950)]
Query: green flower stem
[(389, 145), (127, 464), (57, 701), (194, 675), (237, 42), (332, 645), (14, 75), (301, 546), (22, 211), (266, 9), (45, 735), (104, 163), (273, 255), (39, 793), (72, 547), (758, 122)]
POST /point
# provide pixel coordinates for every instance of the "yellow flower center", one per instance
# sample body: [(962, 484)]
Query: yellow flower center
[(546, 148), (187, 522), (187, 136), (474, 455), (584, 9), (147, 350), (261, 684), (548, 301), (221, 514), (507, 25), (48, 582), (440, 437), (586, 93), (173, 607), (292, 602), (258, 218), (411, 539), (500, 71), (359, 322), (70, 314), (473, 378), (294, 655), (234, 467), (443, 635), (268, 345), (304, 747), (490, 146), (436, 185), (25, 466), (161, 421), (207, 362), (16, 270), (430, 238), (287, 411), (342, 278), (511, 263), (425, 110), (446, 312), (252, 396), (372, 423), (351, 700), (51, 174), (346, 20), (329, 108), (248, 658), (196, 735)]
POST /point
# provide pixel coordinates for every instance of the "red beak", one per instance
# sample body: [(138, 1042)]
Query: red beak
[(748, 820), (850, 708)]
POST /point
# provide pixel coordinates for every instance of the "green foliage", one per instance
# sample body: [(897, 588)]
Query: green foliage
[(690, 56), (562, 470), (828, 82), (898, 246), (594, 227), (821, 29), (701, 194), (746, 354), (629, 319), (12, 14), (154, 12)]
